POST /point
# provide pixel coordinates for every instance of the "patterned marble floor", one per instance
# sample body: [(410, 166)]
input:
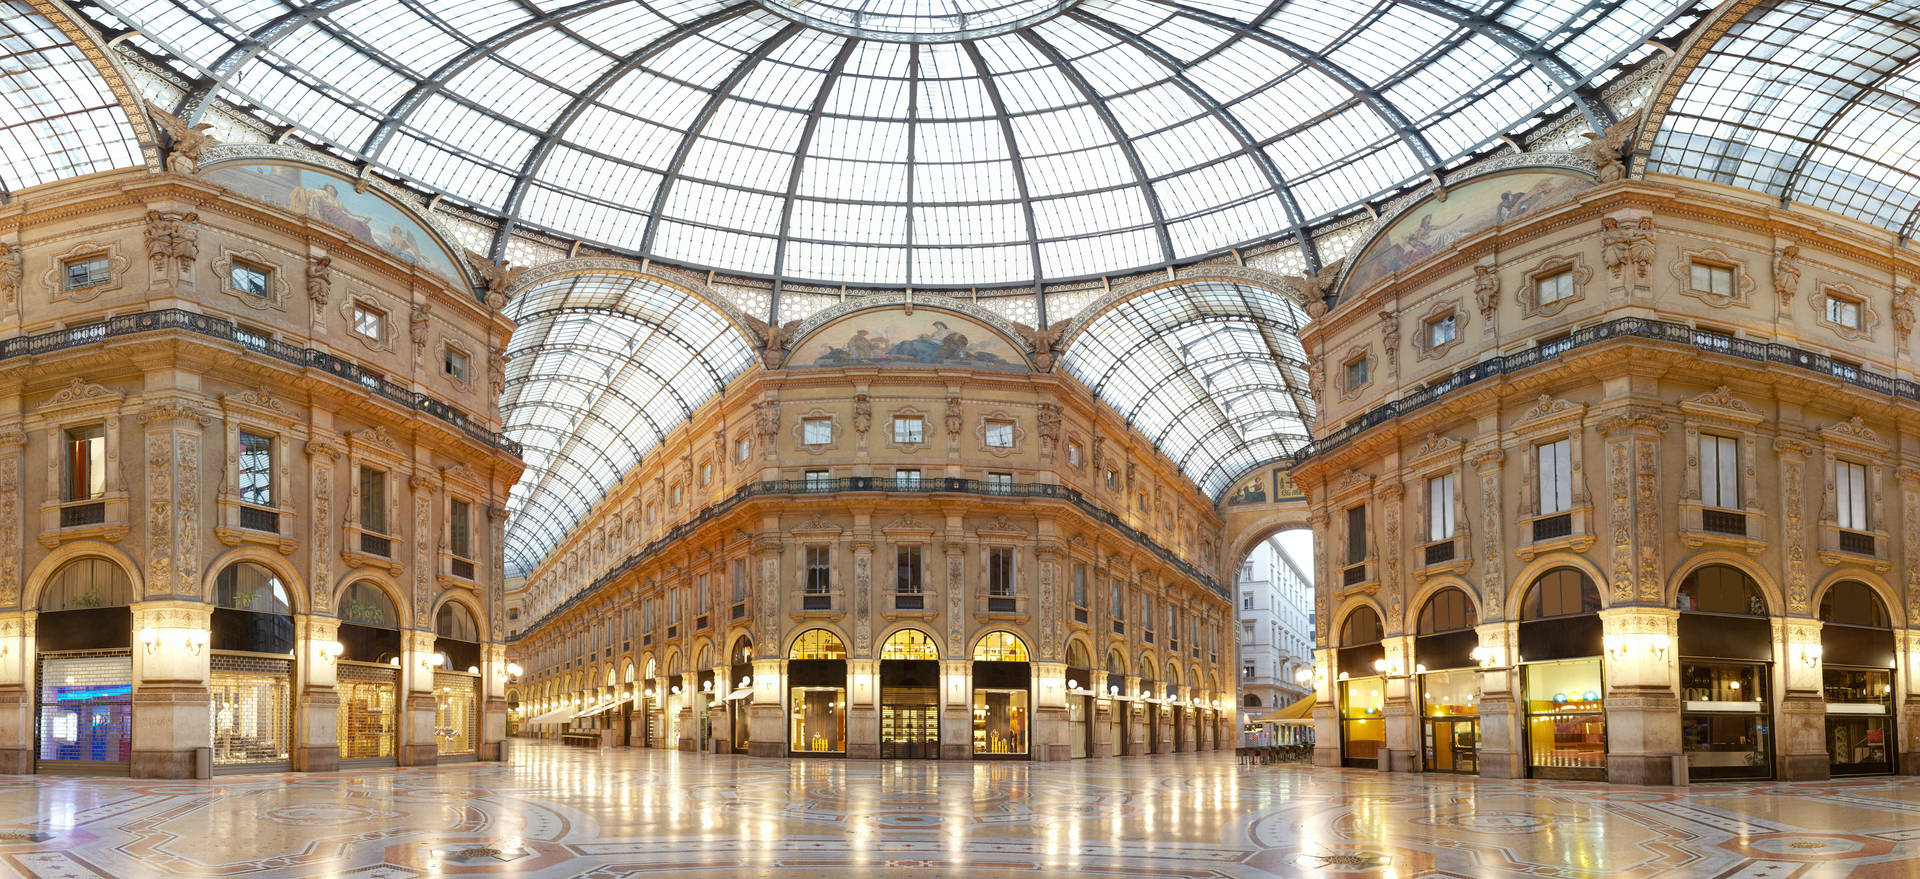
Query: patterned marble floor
[(555, 812)]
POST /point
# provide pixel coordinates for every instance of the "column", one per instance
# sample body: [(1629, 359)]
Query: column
[(171, 705), (1136, 715), (1401, 711), (685, 728), (722, 716), (956, 709), (418, 746), (17, 738), (1643, 711), (769, 719), (1802, 725), (316, 717), (1326, 715), (493, 710), (1102, 719), (1048, 738), (863, 708), (1500, 704)]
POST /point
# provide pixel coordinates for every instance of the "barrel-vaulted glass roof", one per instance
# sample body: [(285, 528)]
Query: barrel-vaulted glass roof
[(1210, 371), (926, 143), (602, 367), (1814, 102), (58, 118)]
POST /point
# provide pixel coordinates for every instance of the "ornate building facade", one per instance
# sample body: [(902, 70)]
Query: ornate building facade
[(250, 475), (894, 537)]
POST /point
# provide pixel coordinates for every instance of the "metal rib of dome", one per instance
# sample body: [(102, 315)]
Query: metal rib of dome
[(902, 142), (1813, 102)]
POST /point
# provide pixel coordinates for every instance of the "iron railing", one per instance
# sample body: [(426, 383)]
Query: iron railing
[(1724, 522), (180, 320)]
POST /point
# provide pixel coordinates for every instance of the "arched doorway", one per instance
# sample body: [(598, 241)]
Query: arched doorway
[(84, 644), (250, 671), (1560, 646), (1856, 656), (817, 694), (703, 699), (740, 700), (1150, 699), (1002, 683), (1179, 712), (1363, 726), (910, 696), (456, 682), (1726, 681), (1448, 679), (368, 677), (1080, 686), (1120, 699)]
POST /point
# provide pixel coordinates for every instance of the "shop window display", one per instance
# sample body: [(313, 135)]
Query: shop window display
[(1566, 723)]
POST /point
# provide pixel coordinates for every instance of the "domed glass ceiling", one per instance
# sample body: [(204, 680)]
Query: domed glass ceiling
[(959, 143)]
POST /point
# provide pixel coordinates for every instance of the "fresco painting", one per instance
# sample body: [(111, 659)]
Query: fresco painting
[(1283, 487), (1435, 225), (333, 201), (923, 338), (1253, 491)]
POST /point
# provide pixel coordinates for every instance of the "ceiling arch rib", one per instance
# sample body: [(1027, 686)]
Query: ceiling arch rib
[(1210, 370), (602, 367)]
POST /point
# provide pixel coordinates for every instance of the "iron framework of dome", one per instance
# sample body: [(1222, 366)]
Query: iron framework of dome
[(925, 143)]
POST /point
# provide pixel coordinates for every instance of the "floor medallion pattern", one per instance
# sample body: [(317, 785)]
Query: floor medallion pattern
[(562, 813)]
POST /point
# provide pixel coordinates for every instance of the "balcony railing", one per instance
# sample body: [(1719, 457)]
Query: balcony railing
[(1724, 522), (76, 515), (1440, 553), (1552, 527), (1856, 542), (256, 519), (1002, 605), (910, 601), (462, 568), (374, 544), (1355, 574)]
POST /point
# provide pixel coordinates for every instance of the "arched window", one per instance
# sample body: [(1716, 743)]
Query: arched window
[(909, 644), (743, 652), (1448, 610), (700, 663), (1721, 589), (366, 604), (817, 644), (251, 587), (1853, 603), (1560, 592), (1116, 665), (1252, 701), (456, 622), (1362, 627), (1077, 656), (1000, 647), (653, 668), (86, 584)]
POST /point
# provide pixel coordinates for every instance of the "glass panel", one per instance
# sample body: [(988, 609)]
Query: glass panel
[(1000, 647), (1000, 721), (819, 719), (251, 708), (1450, 694), (86, 708), (1363, 724), (1566, 728)]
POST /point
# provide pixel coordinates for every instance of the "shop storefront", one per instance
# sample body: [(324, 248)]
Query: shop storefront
[(1002, 708), (1448, 682), (740, 698), (1726, 656), (1560, 641), (456, 683), (1361, 691), (910, 696), (1857, 650), (817, 694), (367, 717), (250, 671), (84, 636), (1150, 707)]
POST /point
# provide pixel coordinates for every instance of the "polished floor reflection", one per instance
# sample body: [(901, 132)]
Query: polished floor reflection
[(557, 812)]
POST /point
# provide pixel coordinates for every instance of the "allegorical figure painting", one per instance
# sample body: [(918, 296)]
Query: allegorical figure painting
[(1435, 225), (926, 337), (333, 201)]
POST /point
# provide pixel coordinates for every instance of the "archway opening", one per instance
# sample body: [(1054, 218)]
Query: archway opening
[(1726, 675), (1856, 664), (1274, 605), (250, 670), (1002, 697), (1560, 644), (84, 642), (817, 684), (910, 696), (456, 681), (1448, 681), (368, 676)]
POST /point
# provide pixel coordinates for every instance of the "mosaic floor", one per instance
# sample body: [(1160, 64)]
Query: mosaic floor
[(557, 812)]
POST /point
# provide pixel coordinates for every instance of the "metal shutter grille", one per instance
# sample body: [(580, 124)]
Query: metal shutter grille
[(252, 709), (86, 706), (367, 716), (456, 711)]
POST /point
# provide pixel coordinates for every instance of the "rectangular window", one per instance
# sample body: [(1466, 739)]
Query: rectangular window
[(906, 479), (703, 595), (819, 569), (1357, 535), (1000, 434), (1440, 507), (373, 500), (1850, 495), (1709, 278), (1440, 330), (1548, 289), (706, 472), (1113, 478), (676, 494), (454, 364), (1246, 601), (816, 431), (909, 429), (741, 448), (1079, 585), (1118, 603), (1000, 570), (1356, 371), (1073, 454), (1719, 471), (1146, 616), (738, 570), (818, 480), (256, 469), (369, 321), (1556, 476), (87, 271), (999, 483), (1246, 671), (87, 463), (460, 529), (248, 278), (907, 570), (1843, 311)]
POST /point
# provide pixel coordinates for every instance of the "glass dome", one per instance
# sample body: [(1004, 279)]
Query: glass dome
[(925, 143)]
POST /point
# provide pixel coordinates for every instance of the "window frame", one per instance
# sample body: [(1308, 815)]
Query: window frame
[(358, 314)]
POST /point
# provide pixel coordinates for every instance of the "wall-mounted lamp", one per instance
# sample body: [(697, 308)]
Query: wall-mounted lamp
[(1810, 654), (1619, 647), (437, 660), (676, 689), (197, 640), (1389, 667), (1072, 685), (1115, 691), (514, 671), (1485, 656), (1303, 676), (746, 680), (330, 651), (1419, 668), (473, 669), (707, 686), (150, 639)]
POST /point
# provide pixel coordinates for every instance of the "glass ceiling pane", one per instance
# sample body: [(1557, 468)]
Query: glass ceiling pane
[(60, 119)]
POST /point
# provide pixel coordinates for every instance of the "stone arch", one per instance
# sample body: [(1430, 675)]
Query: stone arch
[(1769, 587), (1026, 641), (670, 663), (1117, 657), (1433, 586), (1346, 609), (1242, 537), (472, 607), (1896, 612), (378, 577), (266, 558), (37, 581), (1523, 581), (702, 647), (887, 634), (106, 63), (733, 641), (786, 644), (1086, 644)]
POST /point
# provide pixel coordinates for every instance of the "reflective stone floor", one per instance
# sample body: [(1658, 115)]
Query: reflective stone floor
[(557, 812)]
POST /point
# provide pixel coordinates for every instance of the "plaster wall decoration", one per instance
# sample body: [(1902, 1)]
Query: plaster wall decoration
[(1822, 300), (173, 244), (799, 431), (862, 599), (1647, 516), (188, 141), (766, 424), (373, 436), (1547, 409), (80, 393), (1428, 222), (1049, 625), (1619, 515), (1316, 377), (1486, 293), (1390, 340), (319, 280), (12, 272), (54, 280), (1910, 517), (1047, 423), (1855, 432), (995, 418), (160, 549), (1721, 402), (1681, 268), (1528, 295), (1605, 150), (955, 419), (275, 294), (1628, 249), (1487, 464), (419, 321), (323, 455), (1424, 346), (424, 563), (862, 414), (1793, 456), (12, 440), (1389, 503), (1786, 276), (956, 590), (1904, 305), (908, 412), (1042, 341)]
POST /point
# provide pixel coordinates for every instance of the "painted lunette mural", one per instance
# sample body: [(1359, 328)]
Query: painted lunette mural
[(333, 200), (927, 337), (1435, 225)]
